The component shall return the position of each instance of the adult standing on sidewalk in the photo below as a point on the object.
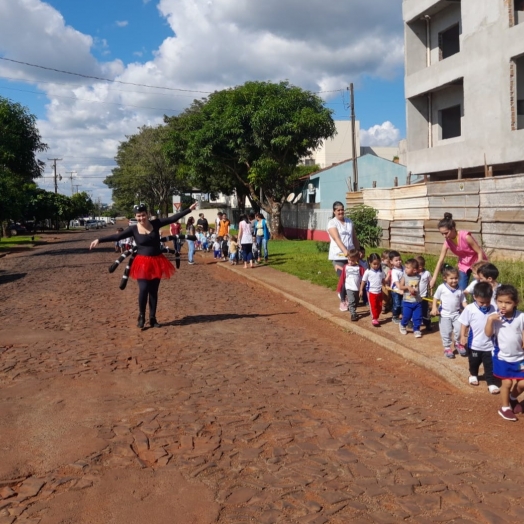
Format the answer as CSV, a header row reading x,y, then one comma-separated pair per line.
x,y
245,237
190,230
150,265
343,239
262,236
462,244
203,223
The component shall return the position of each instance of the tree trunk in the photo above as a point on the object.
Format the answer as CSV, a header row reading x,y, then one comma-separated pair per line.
x,y
277,228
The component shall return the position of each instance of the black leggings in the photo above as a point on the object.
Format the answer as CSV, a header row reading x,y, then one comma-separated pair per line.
x,y
148,289
476,358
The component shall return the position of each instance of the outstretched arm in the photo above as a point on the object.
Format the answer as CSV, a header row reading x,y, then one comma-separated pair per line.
x,y
441,258
112,238
176,217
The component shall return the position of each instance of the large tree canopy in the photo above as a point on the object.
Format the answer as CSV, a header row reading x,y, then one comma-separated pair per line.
x,y
145,172
253,136
19,143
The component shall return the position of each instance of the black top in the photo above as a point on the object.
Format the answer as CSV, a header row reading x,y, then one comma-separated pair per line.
x,y
149,243
204,224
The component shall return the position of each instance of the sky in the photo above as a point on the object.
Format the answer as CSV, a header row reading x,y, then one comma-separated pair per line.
x,y
174,51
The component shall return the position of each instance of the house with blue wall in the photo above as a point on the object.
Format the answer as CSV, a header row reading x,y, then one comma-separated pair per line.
x,y
332,183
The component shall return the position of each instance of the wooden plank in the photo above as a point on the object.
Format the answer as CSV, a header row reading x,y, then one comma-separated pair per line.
x,y
412,214
384,214
384,244
467,214
454,187
505,254
377,193
407,248
385,234
509,242
515,215
433,237
415,191
474,227
402,239
503,228
407,223
501,200
432,248
407,231
412,203
454,201
384,224
495,184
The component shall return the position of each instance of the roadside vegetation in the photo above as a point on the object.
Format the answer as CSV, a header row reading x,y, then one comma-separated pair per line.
x,y
307,260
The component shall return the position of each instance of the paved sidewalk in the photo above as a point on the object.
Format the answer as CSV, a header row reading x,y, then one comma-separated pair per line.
x,y
426,351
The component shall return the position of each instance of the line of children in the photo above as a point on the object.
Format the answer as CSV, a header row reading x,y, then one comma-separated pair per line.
x,y
489,331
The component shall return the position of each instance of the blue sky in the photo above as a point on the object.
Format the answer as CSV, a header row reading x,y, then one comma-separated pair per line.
x,y
199,45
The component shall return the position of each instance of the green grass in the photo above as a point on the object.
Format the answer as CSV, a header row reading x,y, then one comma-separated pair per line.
x,y
302,259
19,241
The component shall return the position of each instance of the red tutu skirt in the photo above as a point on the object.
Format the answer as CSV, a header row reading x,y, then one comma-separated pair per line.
x,y
149,268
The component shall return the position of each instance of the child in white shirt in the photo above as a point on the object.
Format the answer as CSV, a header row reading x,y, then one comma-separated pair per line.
x,y
372,281
506,329
489,273
474,272
217,251
397,272
452,301
425,291
480,346
353,279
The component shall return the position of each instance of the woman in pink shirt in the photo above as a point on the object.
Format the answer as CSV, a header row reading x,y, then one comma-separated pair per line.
x,y
463,245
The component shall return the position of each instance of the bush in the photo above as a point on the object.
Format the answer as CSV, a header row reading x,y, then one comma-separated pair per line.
x,y
322,247
365,220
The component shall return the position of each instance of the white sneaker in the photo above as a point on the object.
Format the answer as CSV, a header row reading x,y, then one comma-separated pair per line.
x,y
473,381
402,329
417,334
494,390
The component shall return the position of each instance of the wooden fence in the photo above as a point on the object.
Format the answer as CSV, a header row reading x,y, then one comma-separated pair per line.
x,y
492,209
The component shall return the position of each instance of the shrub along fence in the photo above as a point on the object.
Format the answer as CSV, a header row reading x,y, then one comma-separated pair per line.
x,y
491,208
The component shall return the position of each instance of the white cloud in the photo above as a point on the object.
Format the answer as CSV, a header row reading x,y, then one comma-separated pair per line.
x,y
315,44
383,135
122,23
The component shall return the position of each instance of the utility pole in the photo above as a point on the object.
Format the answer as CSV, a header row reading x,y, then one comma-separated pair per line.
x,y
55,160
71,178
353,138
77,186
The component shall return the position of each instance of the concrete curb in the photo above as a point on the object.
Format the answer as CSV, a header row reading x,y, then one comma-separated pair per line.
x,y
404,351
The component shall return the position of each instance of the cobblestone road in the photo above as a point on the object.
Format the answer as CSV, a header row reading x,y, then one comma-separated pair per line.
x,y
242,408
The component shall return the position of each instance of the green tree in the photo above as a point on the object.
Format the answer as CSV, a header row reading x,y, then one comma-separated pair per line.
x,y
365,219
144,172
251,138
20,141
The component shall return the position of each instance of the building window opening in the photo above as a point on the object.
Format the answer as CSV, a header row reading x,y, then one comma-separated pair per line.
x,y
519,11
450,122
519,91
449,42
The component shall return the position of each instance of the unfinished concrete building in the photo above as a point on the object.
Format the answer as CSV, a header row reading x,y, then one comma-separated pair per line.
x,y
464,87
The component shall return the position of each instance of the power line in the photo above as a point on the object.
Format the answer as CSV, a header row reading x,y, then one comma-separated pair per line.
x,y
127,83
103,79
110,90
87,100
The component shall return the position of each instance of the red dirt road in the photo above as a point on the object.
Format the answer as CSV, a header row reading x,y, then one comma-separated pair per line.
x,y
242,408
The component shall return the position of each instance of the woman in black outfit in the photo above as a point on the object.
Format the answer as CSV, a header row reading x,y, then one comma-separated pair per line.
x,y
150,265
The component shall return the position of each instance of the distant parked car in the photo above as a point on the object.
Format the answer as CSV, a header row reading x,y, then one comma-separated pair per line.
x,y
92,224
133,221
102,223
17,229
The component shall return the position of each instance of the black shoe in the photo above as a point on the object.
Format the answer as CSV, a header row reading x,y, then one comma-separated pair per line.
x,y
141,321
153,322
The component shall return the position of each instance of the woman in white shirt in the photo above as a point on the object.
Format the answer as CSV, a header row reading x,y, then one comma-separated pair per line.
x,y
343,239
245,237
